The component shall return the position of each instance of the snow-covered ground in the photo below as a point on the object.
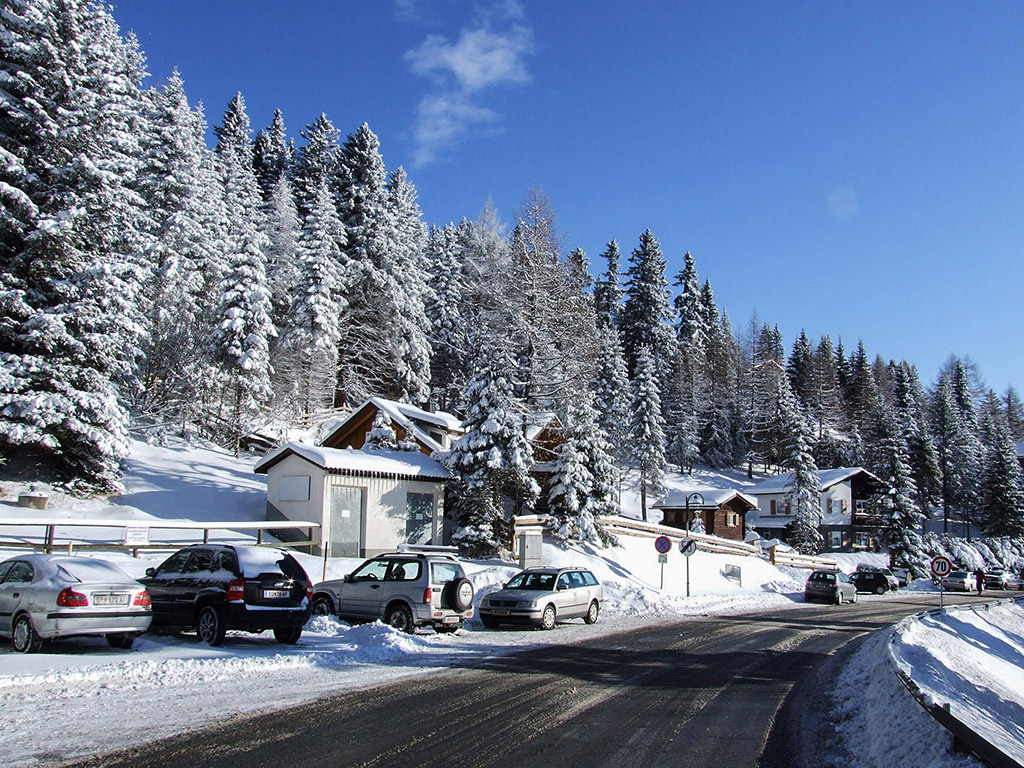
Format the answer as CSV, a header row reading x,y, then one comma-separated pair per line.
x,y
165,685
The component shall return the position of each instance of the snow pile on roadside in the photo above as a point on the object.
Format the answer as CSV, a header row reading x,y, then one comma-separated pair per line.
x,y
973,659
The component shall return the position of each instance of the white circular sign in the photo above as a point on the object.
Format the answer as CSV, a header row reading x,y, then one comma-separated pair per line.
x,y
688,546
941,566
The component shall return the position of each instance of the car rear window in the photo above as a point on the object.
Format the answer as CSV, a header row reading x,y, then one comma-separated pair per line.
x,y
87,569
829,578
442,573
253,561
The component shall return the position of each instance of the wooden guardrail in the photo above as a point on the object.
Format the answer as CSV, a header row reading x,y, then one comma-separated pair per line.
x,y
796,560
965,738
50,525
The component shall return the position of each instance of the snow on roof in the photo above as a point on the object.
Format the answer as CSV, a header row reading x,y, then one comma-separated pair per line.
x,y
828,478
351,461
402,411
713,498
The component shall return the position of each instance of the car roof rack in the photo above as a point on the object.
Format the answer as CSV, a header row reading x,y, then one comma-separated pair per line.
x,y
427,549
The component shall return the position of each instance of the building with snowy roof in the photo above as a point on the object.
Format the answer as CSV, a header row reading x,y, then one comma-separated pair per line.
x,y
366,502
723,511
847,524
431,430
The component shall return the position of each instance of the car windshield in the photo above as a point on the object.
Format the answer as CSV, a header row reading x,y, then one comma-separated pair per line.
x,y
545,581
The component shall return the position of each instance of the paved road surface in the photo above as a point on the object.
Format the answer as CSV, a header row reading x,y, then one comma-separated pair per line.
x,y
703,692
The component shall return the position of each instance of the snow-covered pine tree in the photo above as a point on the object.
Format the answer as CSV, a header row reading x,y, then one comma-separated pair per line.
x,y
896,504
608,291
647,428
492,461
381,436
612,395
317,161
283,230
272,155
646,314
1014,409
768,380
1001,491
308,347
909,411
450,334
803,494
800,369
241,338
71,235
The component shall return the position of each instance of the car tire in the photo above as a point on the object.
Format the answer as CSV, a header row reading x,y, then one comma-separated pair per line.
x,y
879,590
854,598
323,605
398,616
288,635
592,612
548,618
120,640
210,626
24,637
458,594
839,597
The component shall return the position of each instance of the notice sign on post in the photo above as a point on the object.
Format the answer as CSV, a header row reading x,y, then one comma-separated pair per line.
x,y
663,544
136,536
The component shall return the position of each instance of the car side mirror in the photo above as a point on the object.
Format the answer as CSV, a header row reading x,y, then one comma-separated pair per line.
x,y
348,578
151,572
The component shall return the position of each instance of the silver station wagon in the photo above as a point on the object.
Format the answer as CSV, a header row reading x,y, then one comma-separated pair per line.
x,y
44,597
544,596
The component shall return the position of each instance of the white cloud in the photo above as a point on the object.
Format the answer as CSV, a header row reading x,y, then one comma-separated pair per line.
x,y
463,71
842,203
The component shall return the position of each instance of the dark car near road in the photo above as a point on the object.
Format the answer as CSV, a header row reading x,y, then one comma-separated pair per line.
x,y
870,581
213,588
831,587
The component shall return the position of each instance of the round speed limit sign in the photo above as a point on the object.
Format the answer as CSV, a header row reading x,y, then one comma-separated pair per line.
x,y
941,566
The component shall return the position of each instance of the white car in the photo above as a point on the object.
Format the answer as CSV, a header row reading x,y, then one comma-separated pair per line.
x,y
44,597
959,581
543,596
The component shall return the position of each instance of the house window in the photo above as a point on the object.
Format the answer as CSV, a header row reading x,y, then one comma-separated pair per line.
x,y
294,488
774,511
835,539
861,540
732,518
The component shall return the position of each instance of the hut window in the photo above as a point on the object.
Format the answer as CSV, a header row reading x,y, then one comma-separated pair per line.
x,y
294,488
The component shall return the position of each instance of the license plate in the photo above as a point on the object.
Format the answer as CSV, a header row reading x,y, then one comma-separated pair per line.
x,y
500,611
451,619
274,594
104,599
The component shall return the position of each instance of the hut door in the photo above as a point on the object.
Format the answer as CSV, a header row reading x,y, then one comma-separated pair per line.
x,y
419,511
346,521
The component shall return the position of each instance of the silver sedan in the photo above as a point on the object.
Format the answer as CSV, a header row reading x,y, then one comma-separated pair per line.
x,y
43,597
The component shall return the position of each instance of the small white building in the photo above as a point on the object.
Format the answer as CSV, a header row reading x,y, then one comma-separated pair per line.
x,y
365,502
845,524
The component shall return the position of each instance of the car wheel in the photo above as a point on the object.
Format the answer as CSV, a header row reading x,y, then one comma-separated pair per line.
x,y
399,617
547,619
24,637
288,635
120,640
839,597
879,590
210,626
592,613
854,598
323,606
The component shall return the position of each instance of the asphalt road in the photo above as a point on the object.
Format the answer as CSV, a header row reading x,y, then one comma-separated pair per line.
x,y
712,691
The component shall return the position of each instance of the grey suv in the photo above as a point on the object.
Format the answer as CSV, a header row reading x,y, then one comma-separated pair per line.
x,y
404,589
542,596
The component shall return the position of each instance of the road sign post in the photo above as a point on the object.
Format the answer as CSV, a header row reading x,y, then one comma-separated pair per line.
x,y
663,544
941,567
687,546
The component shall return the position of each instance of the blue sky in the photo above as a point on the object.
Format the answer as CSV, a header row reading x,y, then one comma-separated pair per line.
x,y
855,169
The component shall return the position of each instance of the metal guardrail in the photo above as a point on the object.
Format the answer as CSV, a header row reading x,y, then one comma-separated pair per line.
x,y
965,738
50,524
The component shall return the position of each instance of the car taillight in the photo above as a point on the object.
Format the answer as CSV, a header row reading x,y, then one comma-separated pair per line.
x,y
236,591
68,598
143,599
309,591
428,595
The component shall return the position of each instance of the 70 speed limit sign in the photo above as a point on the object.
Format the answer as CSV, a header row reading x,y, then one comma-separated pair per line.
x,y
941,566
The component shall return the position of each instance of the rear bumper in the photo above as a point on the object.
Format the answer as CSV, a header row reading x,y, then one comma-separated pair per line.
x,y
249,620
68,624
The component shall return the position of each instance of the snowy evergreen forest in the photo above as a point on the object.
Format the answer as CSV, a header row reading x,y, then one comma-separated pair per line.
x,y
148,278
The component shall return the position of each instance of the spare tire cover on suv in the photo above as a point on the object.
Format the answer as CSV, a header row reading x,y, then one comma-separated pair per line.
x,y
458,594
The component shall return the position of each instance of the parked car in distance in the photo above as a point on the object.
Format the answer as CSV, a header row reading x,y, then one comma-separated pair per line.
x,y
902,576
870,581
959,581
45,597
213,588
830,587
405,590
544,596
889,576
1002,580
